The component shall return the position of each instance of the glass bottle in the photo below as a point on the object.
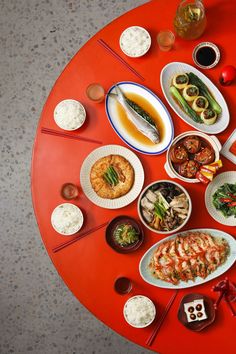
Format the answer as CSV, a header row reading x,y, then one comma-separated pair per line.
x,y
190,19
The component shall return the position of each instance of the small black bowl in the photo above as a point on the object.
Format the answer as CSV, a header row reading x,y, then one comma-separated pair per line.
x,y
110,234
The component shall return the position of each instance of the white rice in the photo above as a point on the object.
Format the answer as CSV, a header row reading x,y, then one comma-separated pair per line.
x,y
67,219
69,114
139,311
135,41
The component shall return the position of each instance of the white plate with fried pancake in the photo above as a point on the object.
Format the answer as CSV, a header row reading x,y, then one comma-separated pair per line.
x,y
130,176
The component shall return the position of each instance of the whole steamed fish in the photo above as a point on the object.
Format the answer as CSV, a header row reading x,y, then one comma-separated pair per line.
x,y
141,119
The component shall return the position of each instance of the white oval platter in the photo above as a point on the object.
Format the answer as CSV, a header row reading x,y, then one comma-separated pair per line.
x,y
147,276
157,104
166,77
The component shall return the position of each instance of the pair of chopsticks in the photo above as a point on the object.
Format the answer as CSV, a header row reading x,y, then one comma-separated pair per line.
x,y
68,135
119,58
161,320
77,238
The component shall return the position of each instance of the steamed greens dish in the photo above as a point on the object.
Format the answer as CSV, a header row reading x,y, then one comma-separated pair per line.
x,y
224,199
194,97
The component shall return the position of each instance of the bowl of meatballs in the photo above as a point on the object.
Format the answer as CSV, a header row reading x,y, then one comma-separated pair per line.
x,y
188,152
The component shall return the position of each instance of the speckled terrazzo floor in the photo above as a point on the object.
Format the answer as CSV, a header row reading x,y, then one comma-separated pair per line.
x,y
38,313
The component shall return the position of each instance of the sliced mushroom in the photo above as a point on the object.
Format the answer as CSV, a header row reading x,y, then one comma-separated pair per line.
x,y
181,210
182,216
151,196
145,203
147,215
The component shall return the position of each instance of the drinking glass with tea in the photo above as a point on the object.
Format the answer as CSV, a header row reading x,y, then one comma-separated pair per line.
x,y
95,92
190,19
165,40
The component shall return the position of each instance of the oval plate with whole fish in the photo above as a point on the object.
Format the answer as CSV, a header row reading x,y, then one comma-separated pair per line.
x,y
188,258
139,118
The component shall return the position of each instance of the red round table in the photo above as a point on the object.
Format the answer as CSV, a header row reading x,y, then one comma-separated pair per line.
x,y
89,266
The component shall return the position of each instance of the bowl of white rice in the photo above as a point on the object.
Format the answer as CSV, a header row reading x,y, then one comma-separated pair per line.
x,y
67,219
69,114
139,311
135,41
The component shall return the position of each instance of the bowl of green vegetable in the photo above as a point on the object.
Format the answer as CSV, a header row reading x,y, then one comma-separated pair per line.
x,y
220,198
124,234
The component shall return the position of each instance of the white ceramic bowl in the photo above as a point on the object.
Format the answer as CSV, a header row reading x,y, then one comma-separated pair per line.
x,y
73,223
211,139
69,114
134,299
135,41
189,209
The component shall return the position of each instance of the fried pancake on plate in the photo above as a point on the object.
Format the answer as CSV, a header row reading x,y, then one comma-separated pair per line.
x,y
125,173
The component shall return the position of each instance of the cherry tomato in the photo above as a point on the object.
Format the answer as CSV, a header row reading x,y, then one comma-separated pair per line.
x,y
228,74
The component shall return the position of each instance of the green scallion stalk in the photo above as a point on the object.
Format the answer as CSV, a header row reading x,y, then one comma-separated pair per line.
x,y
187,109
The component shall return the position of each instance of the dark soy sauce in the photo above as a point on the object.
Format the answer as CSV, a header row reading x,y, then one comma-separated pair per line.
x,y
206,56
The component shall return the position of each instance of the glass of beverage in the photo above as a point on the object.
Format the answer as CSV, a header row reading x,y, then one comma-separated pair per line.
x,y
95,92
123,285
190,19
69,191
165,40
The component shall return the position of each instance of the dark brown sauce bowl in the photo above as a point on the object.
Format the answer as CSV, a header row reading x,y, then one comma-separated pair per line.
x,y
197,325
110,234
209,46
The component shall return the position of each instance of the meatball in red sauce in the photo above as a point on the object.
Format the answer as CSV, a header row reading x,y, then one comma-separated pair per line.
x,y
192,144
178,154
189,169
205,156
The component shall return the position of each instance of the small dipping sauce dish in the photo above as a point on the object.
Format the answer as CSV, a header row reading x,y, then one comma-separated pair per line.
x,y
206,55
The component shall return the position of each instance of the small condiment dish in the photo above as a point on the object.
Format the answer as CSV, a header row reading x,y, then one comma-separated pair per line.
x,y
211,56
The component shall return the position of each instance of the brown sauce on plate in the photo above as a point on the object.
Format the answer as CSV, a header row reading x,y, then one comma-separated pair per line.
x,y
130,127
